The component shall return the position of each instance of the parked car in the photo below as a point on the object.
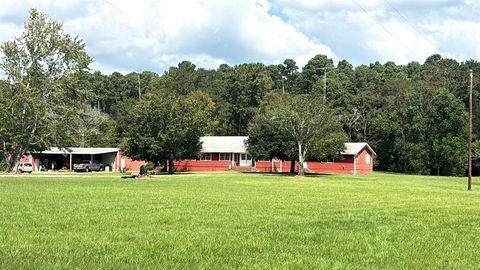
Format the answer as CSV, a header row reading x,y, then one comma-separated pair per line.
x,y
25,167
88,166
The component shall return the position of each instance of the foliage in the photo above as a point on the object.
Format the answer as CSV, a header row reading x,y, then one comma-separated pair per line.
x,y
311,127
362,96
89,122
44,68
423,132
266,141
160,128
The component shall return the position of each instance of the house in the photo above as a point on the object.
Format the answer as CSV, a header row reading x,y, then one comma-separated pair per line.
x,y
222,153
219,153
56,158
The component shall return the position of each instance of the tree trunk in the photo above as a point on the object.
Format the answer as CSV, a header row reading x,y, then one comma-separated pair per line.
x,y
301,170
171,168
292,166
13,160
15,166
164,166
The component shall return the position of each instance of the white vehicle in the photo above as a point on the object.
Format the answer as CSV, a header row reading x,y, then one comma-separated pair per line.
x,y
25,167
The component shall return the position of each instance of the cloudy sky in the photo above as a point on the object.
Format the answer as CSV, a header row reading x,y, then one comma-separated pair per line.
x,y
124,35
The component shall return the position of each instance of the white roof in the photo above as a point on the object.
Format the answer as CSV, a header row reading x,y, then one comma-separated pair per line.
x,y
223,144
210,144
80,150
355,148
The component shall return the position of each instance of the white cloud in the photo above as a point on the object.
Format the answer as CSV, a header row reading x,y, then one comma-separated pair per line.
x,y
134,35
150,34
395,30
459,38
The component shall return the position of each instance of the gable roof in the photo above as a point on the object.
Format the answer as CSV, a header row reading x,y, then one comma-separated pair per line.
x,y
356,147
223,144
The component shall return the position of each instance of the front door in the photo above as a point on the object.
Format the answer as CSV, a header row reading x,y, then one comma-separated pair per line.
x,y
245,160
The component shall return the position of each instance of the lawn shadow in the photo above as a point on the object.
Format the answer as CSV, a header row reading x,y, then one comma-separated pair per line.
x,y
307,175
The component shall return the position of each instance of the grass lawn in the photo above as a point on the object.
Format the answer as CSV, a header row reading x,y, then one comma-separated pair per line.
x,y
246,221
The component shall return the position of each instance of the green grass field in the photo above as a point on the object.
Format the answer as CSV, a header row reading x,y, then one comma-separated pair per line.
x,y
241,221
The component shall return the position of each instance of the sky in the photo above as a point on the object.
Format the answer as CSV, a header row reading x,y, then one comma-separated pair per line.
x,y
132,36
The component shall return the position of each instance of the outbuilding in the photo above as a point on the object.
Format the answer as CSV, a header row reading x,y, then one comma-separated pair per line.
x,y
56,158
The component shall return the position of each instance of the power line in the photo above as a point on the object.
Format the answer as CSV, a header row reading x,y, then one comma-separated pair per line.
x,y
413,26
386,29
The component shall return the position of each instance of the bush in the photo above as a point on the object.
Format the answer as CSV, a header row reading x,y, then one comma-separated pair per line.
x,y
3,165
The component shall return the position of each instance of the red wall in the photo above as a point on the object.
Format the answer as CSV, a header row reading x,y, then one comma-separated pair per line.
x,y
362,166
130,164
344,166
266,166
202,165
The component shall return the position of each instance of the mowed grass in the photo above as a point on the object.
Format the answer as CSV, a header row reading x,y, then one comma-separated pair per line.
x,y
238,221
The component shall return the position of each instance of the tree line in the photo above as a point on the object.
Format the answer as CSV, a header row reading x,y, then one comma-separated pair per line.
x,y
414,115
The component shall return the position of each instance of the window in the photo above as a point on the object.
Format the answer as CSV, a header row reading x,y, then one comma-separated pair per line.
x,y
367,159
224,156
206,156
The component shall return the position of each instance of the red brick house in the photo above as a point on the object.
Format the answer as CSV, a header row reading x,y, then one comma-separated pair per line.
x,y
222,153
219,153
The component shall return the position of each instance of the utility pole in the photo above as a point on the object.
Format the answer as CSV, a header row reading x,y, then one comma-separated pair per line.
x,y
283,86
470,132
324,85
139,92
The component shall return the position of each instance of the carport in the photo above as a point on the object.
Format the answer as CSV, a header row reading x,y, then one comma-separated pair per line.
x,y
61,158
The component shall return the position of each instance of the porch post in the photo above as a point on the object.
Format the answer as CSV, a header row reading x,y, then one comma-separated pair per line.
x,y
355,164
70,162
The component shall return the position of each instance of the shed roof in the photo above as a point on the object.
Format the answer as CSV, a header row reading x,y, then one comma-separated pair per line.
x,y
224,144
80,150
356,147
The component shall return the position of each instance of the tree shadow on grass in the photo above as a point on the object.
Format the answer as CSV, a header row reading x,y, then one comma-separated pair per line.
x,y
307,175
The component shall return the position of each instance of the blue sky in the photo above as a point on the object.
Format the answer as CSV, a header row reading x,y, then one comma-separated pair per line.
x,y
153,35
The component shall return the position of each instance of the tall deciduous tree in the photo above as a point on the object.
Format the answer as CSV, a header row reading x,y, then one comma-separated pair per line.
x,y
267,141
89,123
423,131
43,67
162,128
311,125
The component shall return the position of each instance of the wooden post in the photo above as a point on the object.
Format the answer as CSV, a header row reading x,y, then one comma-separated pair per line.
x,y
355,164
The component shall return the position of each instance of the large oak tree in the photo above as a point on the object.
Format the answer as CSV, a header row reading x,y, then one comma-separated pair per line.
x,y
43,89
161,128
303,122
